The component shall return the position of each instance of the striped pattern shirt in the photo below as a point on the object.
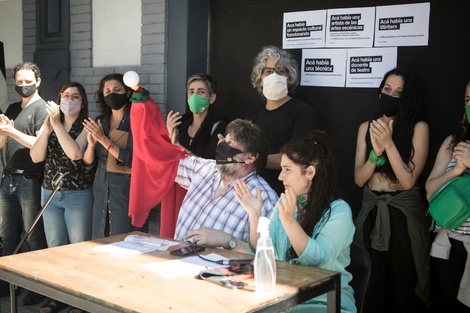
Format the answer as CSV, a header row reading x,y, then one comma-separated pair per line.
x,y
200,207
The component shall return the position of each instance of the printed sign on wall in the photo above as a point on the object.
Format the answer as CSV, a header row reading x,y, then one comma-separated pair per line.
x,y
366,67
323,67
304,29
402,25
350,27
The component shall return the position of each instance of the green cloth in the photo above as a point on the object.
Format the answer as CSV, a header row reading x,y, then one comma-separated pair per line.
x,y
139,97
410,204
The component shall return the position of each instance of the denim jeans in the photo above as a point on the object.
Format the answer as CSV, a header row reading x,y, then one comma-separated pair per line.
x,y
67,219
20,202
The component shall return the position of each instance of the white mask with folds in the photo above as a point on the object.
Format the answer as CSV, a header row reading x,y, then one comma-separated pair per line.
x,y
275,86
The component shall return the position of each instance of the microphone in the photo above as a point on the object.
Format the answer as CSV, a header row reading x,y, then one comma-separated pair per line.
x,y
58,179
231,262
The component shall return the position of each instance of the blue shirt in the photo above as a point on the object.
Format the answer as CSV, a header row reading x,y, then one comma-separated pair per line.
x,y
328,248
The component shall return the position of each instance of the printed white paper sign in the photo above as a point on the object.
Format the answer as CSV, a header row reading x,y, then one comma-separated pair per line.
x,y
323,67
402,25
366,67
350,28
304,29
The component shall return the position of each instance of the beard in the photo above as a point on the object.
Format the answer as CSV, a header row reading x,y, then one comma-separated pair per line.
x,y
226,169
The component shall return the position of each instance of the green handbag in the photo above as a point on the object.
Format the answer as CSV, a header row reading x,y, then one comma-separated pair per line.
x,y
449,205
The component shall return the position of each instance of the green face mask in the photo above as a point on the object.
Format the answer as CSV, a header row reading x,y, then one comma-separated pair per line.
x,y
197,104
467,113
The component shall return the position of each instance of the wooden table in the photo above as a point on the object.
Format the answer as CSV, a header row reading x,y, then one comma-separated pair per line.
x,y
99,282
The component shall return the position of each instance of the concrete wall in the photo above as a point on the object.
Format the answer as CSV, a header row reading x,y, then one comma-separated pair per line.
x,y
152,67
11,30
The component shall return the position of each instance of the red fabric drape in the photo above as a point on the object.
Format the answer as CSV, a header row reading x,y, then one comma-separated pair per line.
x,y
170,208
154,162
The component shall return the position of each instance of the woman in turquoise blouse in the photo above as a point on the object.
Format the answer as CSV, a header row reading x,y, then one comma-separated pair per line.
x,y
310,224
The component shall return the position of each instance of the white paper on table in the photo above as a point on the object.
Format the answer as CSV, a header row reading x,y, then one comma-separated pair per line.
x,y
183,267
135,245
159,243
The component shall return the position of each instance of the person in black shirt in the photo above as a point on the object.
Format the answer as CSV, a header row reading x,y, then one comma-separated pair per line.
x,y
276,76
20,193
197,130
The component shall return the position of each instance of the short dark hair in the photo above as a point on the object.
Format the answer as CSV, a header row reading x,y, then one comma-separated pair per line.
x,y
100,103
27,65
84,110
211,84
252,138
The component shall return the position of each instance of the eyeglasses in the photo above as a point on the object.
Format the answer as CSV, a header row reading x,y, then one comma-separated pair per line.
x,y
281,70
73,96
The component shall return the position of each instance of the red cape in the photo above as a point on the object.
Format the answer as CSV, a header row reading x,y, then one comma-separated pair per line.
x,y
154,161
170,208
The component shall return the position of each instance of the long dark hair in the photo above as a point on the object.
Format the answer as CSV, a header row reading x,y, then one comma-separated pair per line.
x,y
315,150
461,132
405,119
100,103
84,109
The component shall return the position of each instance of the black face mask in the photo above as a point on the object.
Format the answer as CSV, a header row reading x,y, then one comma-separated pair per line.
x,y
116,101
224,154
26,91
389,104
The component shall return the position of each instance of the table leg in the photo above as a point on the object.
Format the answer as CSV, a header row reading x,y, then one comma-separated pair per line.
x,y
334,297
13,308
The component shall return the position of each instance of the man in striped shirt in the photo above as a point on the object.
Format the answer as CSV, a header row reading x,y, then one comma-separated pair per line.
x,y
210,214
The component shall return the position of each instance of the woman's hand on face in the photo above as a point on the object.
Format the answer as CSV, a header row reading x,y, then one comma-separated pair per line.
x,y
94,129
382,133
173,119
54,113
462,154
287,205
250,203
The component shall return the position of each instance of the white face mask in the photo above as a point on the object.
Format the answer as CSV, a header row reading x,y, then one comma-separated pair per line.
x,y
70,107
275,86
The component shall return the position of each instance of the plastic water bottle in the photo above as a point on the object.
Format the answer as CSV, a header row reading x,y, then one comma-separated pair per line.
x,y
265,263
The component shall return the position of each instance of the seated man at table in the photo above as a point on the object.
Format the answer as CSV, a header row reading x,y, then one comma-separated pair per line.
x,y
210,214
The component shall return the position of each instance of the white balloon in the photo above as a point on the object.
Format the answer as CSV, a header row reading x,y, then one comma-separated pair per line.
x,y
131,79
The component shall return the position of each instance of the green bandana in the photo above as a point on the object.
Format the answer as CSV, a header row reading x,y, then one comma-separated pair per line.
x,y
302,200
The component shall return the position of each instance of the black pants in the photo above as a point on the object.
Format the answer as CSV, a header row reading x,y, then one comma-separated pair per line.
x,y
393,276
445,278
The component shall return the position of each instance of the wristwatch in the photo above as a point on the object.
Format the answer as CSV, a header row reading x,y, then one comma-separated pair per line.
x,y
232,243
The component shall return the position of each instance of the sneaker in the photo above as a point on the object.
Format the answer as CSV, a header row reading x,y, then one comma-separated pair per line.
x,y
32,298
